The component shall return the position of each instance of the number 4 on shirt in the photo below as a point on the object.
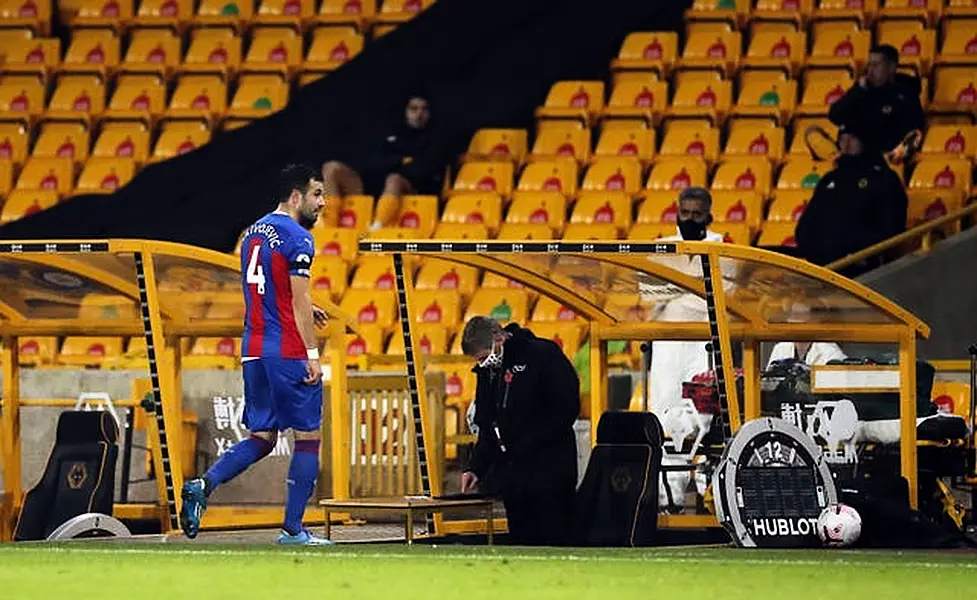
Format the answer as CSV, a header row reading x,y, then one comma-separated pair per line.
x,y
255,274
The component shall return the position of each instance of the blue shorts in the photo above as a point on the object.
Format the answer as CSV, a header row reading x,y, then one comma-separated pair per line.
x,y
275,397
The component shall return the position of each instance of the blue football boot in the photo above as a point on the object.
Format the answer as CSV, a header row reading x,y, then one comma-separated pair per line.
x,y
304,538
194,505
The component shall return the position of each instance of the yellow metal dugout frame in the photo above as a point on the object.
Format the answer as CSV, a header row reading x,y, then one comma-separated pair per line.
x,y
756,294
48,290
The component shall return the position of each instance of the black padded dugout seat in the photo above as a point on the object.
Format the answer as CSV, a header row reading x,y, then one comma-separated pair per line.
x,y
79,477
617,501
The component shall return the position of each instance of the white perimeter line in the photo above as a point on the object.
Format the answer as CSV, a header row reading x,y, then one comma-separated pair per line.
x,y
843,560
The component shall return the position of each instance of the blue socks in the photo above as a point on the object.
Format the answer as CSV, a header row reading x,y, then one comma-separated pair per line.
x,y
234,462
302,473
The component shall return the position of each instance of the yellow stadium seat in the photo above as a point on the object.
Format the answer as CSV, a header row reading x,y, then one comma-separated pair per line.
x,y
738,207
732,12
702,99
399,233
603,208
497,145
794,12
371,307
419,213
180,138
21,97
358,13
355,212
951,140
328,279
765,77
613,175
213,353
591,231
28,14
916,46
485,177
951,173
107,14
21,203
310,77
13,142
647,51
137,97
88,351
461,231
370,340
861,12
802,173
258,96
335,241
201,97
538,208
580,100
374,272
691,138
475,208
821,90
399,11
956,91
436,307
767,99
755,138
926,11
92,51
558,140
77,98
215,51
676,173
734,233
929,204
649,232
290,13
275,50
460,381
6,178
959,45
432,338
952,397
48,174
712,50
743,174
548,310
444,275
40,56
789,205
331,47
105,175
166,13
233,13
505,305
379,30
62,140
525,231
798,145
658,207
776,50
777,233
840,49
620,142
568,336
637,100
154,51
123,140
35,351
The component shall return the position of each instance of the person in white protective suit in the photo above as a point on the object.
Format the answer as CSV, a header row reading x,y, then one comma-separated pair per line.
x,y
812,353
675,362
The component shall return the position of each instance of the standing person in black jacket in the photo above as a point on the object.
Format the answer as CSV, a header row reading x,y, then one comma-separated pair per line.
x,y
884,102
857,204
526,401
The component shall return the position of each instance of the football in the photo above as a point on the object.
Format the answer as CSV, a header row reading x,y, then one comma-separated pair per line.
x,y
839,526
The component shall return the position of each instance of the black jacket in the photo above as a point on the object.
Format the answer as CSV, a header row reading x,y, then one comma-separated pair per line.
x,y
409,152
881,116
533,400
859,203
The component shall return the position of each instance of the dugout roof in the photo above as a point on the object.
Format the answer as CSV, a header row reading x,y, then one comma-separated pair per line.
x,y
91,287
623,285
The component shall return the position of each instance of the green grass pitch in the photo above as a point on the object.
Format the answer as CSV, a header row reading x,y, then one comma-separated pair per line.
x,y
85,571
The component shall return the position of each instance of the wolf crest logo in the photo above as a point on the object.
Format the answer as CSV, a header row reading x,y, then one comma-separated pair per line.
x,y
77,476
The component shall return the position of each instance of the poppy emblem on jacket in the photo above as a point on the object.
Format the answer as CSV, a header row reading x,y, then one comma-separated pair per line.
x,y
886,109
862,183
508,376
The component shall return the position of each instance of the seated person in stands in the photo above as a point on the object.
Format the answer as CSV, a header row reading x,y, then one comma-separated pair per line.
x,y
885,102
812,353
393,171
859,203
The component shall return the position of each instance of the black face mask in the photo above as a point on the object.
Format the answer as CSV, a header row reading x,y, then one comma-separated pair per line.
x,y
691,230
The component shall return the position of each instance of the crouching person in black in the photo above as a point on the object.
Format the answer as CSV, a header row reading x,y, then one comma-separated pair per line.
x,y
526,401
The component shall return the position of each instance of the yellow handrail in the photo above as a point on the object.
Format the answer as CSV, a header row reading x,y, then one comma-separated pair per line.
x,y
920,231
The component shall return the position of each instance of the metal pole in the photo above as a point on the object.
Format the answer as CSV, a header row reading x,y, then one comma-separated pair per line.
x,y
126,456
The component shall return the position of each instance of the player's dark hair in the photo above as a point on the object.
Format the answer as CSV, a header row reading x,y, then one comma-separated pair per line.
x,y
479,334
889,53
295,177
